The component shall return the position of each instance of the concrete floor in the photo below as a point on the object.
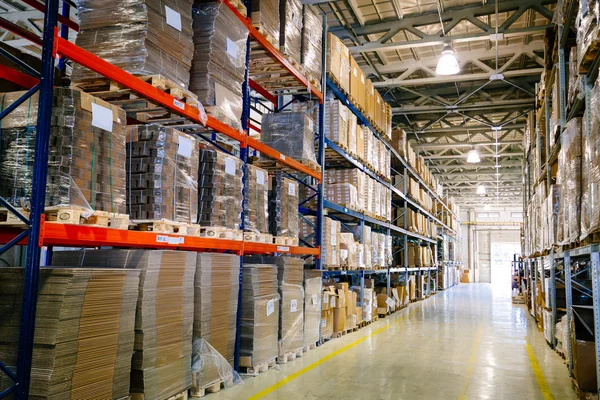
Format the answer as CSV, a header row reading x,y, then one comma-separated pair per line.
x,y
468,342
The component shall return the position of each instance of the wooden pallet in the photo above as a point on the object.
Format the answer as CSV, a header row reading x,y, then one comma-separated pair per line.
x,y
166,226
309,347
178,396
582,395
289,356
239,6
74,215
336,267
589,55
286,241
274,166
258,237
219,232
259,368
337,83
212,387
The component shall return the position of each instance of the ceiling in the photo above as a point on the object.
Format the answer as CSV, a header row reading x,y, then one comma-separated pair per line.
x,y
484,107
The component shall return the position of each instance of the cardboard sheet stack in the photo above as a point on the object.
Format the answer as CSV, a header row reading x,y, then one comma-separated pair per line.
x,y
164,316
219,61
86,155
337,123
290,28
312,309
219,189
162,169
142,37
283,206
569,181
83,333
259,315
265,16
312,42
216,289
256,200
291,133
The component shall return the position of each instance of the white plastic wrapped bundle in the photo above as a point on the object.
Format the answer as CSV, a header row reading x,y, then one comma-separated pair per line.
x,y
569,166
208,362
256,200
587,26
265,15
290,28
312,42
291,133
219,61
291,318
312,310
590,203
336,123
283,203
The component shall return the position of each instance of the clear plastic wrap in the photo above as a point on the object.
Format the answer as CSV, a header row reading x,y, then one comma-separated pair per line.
x,y
291,318
290,133
330,255
216,289
256,201
164,314
575,89
349,247
590,202
283,207
587,27
142,37
338,62
70,332
86,163
569,167
208,363
259,314
336,123
312,42
219,189
312,310
162,173
265,16
219,61
352,176
343,194
290,28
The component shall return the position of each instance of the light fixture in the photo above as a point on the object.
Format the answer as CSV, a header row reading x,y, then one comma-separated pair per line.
x,y
473,157
480,189
447,65
487,207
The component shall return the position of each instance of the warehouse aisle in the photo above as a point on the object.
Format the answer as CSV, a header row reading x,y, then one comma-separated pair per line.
x,y
464,343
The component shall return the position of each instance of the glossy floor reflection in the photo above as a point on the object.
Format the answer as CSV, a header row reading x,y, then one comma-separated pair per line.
x,y
468,342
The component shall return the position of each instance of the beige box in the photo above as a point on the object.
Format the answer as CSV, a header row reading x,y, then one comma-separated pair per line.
x,y
355,84
338,61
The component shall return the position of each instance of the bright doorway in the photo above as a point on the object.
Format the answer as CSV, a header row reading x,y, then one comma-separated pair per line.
x,y
501,258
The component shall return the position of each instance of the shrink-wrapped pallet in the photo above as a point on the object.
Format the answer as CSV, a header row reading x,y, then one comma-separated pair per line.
x,y
283,207
338,62
330,255
86,153
587,30
219,61
569,171
216,289
219,189
290,28
162,174
142,37
84,331
343,194
256,200
352,176
575,87
265,17
312,310
337,124
290,133
259,319
164,316
312,43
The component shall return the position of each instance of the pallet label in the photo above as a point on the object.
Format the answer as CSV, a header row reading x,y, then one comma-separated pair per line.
x,y
179,104
282,157
185,147
390,302
102,117
229,166
232,49
173,18
293,305
270,307
283,248
315,298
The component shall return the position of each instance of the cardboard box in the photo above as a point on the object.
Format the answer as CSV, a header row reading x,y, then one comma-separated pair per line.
x,y
412,287
359,315
326,324
339,319
355,85
582,341
338,61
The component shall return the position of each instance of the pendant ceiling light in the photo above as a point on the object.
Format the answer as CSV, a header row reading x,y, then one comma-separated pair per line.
x,y
480,189
473,157
448,64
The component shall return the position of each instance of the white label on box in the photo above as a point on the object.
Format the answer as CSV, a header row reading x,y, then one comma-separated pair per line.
x,y
346,51
291,189
325,298
315,298
283,248
173,18
293,305
362,79
102,117
232,49
282,156
355,72
390,302
229,166
270,307
179,104
332,302
185,147
323,323
260,177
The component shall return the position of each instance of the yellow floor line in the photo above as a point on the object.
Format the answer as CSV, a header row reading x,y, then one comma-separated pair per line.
x,y
537,371
328,357
471,364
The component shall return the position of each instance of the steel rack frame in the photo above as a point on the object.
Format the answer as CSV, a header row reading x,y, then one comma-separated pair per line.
x,y
38,233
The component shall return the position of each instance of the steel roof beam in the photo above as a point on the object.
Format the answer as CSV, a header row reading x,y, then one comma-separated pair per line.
x,y
478,106
464,156
470,128
441,146
478,165
456,78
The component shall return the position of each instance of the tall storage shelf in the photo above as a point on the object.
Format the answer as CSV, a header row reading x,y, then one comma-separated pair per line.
x,y
39,233
562,269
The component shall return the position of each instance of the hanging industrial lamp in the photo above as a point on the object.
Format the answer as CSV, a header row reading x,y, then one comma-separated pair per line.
x,y
448,64
480,189
473,157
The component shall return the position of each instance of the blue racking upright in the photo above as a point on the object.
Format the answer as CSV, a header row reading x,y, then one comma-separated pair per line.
x,y
38,233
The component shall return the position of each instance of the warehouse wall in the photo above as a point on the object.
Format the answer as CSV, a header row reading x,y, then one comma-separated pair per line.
x,y
483,228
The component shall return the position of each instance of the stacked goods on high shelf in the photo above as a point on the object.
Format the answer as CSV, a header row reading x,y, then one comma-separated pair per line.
x,y
312,44
216,289
142,37
265,17
219,61
588,31
590,185
162,173
349,77
330,247
415,222
418,256
403,147
381,254
219,193
449,218
290,29
575,86
84,332
555,111
256,202
365,250
566,204
291,133
535,219
259,318
283,207
164,317
86,155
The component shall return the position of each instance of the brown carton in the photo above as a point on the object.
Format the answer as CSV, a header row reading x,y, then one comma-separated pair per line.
x,y
339,319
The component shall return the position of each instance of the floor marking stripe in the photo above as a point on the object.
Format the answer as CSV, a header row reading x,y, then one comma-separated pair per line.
x,y
328,357
471,364
537,371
